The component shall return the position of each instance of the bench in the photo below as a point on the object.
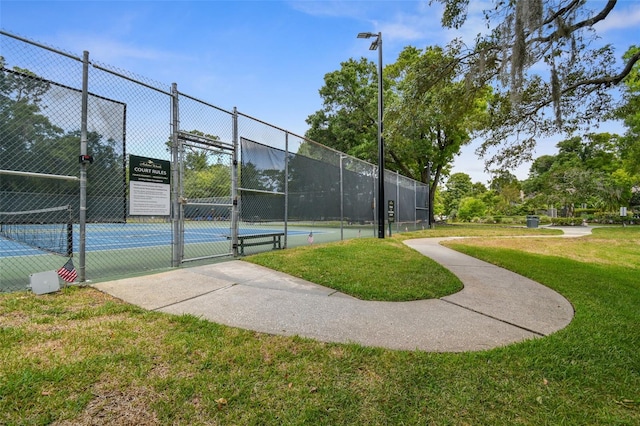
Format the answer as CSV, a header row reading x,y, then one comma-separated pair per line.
x,y
274,238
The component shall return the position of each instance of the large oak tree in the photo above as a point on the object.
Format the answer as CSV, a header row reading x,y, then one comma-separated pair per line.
x,y
551,73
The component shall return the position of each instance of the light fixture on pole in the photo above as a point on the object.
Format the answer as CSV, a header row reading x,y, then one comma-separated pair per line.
x,y
377,45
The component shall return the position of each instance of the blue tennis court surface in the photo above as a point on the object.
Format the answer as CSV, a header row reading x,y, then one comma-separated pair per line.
x,y
101,237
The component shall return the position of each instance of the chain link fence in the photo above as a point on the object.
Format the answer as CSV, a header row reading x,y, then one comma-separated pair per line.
x,y
125,175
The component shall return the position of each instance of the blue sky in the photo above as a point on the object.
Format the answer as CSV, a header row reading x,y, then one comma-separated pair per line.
x,y
267,58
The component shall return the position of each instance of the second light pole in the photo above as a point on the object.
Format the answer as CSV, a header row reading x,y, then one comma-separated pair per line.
x,y
377,45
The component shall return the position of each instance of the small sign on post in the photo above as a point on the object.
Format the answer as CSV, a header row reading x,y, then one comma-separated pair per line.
x,y
391,211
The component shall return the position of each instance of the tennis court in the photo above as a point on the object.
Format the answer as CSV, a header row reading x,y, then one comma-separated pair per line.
x,y
103,237
122,250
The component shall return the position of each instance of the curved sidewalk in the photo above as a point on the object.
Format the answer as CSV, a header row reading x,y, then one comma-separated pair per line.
x,y
496,307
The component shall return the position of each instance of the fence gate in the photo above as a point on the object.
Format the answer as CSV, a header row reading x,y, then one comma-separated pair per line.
x,y
206,201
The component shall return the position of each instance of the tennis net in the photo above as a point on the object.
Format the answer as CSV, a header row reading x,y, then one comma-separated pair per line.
x,y
48,229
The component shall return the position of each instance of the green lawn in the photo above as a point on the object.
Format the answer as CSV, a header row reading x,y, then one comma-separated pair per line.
x,y
366,268
371,269
81,357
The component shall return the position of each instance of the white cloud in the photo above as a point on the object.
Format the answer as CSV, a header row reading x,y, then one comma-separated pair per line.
x,y
621,19
424,24
402,31
403,28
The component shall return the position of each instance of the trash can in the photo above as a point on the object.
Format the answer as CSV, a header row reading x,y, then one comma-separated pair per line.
x,y
532,221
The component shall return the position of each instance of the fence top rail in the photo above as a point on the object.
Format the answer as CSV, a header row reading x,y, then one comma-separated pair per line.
x,y
64,86
80,59
193,98
41,45
131,79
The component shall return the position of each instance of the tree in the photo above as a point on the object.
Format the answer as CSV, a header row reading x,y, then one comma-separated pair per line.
x,y
348,119
206,171
471,207
574,82
630,142
438,204
432,114
587,170
629,112
458,186
429,113
502,179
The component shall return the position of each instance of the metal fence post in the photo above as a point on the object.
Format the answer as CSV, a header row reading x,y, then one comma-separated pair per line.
x,y
415,205
429,206
341,200
374,205
286,186
176,235
82,266
234,184
398,207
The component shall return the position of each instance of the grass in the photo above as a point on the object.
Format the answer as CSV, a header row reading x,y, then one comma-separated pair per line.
x,y
366,268
474,230
372,269
81,357
606,246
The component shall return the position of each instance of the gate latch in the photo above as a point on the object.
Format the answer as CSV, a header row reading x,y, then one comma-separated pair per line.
x,y
84,159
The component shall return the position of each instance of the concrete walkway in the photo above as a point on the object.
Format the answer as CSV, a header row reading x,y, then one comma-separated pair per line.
x,y
496,307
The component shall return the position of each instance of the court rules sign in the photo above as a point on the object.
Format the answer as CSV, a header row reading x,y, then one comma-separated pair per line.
x,y
149,186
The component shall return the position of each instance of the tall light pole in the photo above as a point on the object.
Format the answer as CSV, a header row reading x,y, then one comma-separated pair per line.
x,y
377,45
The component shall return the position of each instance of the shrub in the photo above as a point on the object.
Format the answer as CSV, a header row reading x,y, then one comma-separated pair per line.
x,y
611,218
544,219
584,212
566,221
